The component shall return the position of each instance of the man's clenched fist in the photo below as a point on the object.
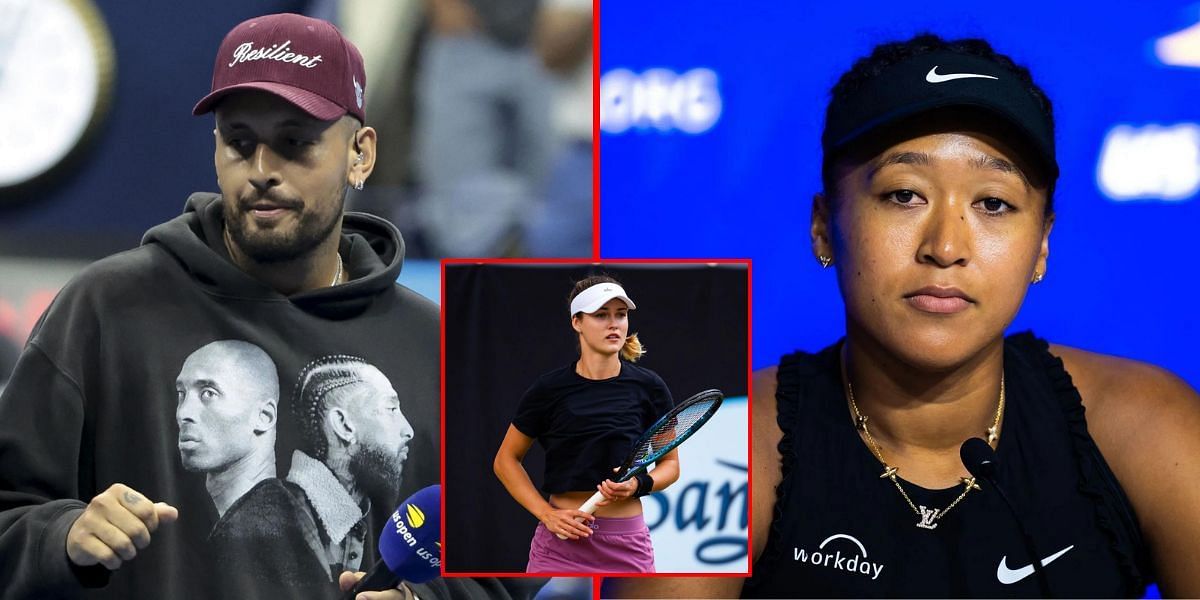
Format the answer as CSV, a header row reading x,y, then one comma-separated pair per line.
x,y
114,526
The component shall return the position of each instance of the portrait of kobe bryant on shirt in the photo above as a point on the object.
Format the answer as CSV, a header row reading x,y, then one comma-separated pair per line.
x,y
246,405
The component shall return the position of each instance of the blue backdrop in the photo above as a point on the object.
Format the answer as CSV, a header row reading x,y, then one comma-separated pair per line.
x,y
711,115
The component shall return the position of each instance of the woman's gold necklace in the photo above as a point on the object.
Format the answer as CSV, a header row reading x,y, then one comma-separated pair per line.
x,y
929,516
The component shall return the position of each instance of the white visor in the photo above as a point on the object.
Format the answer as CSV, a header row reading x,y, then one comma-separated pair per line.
x,y
591,299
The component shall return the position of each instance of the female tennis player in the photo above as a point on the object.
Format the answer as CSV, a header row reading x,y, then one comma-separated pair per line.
x,y
939,173
587,416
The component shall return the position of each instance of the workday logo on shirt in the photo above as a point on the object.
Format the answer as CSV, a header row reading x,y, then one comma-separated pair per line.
x,y
853,560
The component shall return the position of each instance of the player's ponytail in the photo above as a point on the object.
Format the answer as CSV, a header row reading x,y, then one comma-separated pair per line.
x,y
633,348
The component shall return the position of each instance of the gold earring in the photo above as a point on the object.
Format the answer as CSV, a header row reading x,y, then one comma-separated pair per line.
x,y
1037,277
825,261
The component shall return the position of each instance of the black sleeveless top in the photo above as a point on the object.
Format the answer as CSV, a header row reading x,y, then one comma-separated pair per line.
x,y
840,530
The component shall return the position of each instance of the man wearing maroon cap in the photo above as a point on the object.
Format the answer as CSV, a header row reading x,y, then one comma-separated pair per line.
x,y
94,499
288,91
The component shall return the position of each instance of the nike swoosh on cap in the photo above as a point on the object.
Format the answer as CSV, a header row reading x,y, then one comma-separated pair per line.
x,y
1007,575
934,77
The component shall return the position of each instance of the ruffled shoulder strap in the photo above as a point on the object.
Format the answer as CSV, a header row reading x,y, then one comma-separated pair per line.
x,y
795,373
1114,513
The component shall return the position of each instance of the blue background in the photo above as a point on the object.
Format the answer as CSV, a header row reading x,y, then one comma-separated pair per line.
x,y
1122,275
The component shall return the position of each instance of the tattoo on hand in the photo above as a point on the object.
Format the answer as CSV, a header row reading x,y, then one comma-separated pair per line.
x,y
132,498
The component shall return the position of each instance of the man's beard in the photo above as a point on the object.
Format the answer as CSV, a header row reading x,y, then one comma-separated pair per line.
x,y
272,245
378,474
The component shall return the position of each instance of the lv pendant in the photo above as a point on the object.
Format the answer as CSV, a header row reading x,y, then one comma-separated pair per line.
x,y
929,518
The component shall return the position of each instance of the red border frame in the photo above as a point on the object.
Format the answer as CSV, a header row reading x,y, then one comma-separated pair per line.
x,y
596,130
596,579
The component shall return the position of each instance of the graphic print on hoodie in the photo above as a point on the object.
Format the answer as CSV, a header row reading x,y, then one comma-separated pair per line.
x,y
168,369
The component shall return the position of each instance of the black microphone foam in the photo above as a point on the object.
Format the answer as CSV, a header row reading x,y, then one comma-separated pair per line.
x,y
978,457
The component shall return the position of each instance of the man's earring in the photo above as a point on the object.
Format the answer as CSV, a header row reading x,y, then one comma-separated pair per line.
x,y
358,185
825,261
1038,276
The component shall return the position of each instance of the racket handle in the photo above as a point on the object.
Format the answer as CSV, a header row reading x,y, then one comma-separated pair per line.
x,y
588,507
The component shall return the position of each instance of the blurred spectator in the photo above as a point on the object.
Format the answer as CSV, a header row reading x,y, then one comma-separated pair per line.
x,y
483,134
389,35
562,225
506,167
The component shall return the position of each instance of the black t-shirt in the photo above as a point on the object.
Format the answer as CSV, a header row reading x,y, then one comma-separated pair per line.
x,y
588,426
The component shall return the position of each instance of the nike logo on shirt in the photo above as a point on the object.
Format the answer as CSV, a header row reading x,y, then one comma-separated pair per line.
x,y
1007,575
934,77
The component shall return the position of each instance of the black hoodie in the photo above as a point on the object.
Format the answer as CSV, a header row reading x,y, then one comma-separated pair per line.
x,y
93,401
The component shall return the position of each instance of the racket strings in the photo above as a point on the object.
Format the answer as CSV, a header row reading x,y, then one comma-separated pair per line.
x,y
680,425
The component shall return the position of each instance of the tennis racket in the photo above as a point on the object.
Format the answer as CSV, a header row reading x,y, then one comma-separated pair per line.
x,y
664,436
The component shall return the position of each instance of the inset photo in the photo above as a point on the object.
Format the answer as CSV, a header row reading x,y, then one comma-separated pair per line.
x,y
596,417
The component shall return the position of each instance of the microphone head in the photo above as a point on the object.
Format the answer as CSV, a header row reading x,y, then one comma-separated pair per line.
x,y
978,457
411,541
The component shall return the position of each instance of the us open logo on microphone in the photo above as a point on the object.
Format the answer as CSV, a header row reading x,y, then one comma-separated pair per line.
x,y
416,519
856,562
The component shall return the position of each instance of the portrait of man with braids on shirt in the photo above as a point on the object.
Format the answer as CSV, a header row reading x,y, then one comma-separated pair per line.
x,y
353,444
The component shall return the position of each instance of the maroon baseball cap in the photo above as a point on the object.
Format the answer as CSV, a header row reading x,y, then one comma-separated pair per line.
x,y
303,60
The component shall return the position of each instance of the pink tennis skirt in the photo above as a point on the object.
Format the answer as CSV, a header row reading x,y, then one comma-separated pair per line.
x,y
615,546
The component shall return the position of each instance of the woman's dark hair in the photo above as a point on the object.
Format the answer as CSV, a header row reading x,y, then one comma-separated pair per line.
x,y
633,349
887,54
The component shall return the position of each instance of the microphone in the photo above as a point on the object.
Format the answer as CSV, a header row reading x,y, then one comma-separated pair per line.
x,y
410,545
980,460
